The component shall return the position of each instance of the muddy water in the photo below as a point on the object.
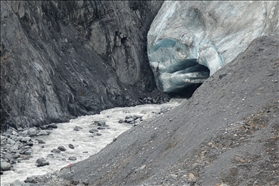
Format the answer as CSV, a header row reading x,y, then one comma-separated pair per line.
x,y
84,142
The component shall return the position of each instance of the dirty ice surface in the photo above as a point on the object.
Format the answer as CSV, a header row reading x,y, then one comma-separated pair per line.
x,y
84,144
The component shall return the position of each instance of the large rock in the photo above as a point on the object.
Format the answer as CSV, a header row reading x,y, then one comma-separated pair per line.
x,y
32,132
226,133
188,39
61,148
64,59
41,162
5,166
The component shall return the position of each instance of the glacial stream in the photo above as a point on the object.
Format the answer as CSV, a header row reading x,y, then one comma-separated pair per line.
x,y
85,143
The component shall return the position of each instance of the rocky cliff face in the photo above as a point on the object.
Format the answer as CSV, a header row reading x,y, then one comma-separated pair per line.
x,y
63,59
187,40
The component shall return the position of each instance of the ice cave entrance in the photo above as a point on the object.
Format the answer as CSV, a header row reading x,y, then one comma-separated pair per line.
x,y
176,68
194,76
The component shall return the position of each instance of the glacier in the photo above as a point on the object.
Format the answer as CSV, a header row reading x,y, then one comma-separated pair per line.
x,y
189,41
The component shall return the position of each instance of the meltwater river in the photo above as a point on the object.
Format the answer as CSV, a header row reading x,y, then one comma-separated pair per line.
x,y
84,144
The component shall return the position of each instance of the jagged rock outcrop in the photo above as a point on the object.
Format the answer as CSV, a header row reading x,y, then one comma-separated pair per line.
x,y
62,59
226,133
186,37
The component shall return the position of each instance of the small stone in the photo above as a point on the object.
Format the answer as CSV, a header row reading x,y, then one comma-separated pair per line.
x,y
55,151
77,128
50,156
41,162
128,117
5,166
32,132
40,141
53,126
192,177
93,130
62,148
73,158
30,143
71,146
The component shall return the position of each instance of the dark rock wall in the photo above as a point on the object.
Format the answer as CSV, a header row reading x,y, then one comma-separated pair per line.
x,y
64,59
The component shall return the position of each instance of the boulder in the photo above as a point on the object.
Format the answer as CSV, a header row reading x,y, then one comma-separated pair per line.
x,y
10,141
32,132
129,119
26,151
41,162
73,158
53,126
8,156
14,148
24,139
16,155
100,123
40,141
136,116
5,166
71,146
34,179
62,148
30,143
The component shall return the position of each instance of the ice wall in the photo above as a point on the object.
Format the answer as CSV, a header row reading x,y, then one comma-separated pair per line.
x,y
187,37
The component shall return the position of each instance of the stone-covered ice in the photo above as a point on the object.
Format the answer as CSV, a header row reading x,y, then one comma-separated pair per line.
x,y
188,41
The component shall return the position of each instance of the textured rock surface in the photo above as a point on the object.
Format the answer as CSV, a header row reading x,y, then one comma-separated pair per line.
x,y
63,59
5,166
41,162
211,32
226,133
